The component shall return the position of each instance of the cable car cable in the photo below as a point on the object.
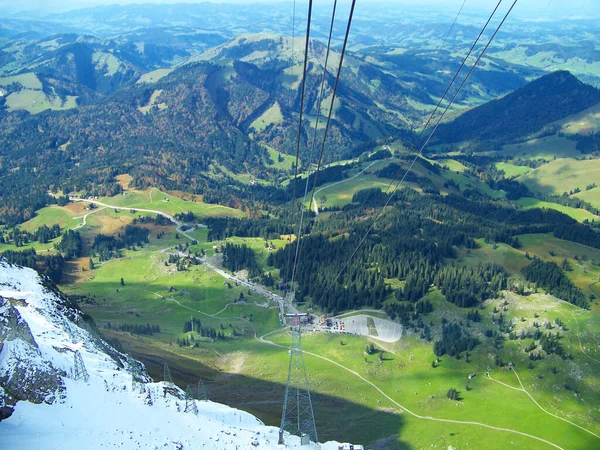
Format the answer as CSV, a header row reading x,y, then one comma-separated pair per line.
x,y
378,215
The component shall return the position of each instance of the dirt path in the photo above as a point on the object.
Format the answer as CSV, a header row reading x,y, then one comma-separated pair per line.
x,y
489,377
579,339
549,413
84,217
153,211
403,408
314,202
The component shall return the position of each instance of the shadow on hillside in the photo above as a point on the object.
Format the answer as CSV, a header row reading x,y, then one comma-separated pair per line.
x,y
337,418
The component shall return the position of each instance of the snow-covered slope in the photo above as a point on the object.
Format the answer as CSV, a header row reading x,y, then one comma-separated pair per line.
x,y
40,331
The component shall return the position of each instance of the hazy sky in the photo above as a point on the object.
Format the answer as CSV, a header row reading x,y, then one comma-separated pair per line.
x,y
550,8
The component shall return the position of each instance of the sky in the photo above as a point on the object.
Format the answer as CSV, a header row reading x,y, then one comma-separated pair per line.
x,y
549,8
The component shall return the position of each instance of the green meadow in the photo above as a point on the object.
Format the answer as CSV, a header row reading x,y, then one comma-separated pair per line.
x,y
511,170
169,204
562,175
403,393
576,213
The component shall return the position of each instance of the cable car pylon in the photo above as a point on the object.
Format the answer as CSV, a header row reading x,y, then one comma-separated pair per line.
x,y
298,417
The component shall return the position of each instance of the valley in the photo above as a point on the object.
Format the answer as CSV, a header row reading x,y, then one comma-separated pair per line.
x,y
154,167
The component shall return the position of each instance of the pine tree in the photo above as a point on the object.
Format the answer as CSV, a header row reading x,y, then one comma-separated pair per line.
x,y
202,391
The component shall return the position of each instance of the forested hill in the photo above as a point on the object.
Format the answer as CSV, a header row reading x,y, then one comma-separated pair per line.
x,y
522,112
203,118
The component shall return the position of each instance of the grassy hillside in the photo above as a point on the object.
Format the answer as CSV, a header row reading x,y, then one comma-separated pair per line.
x,y
576,213
546,148
510,170
26,92
592,196
584,122
562,175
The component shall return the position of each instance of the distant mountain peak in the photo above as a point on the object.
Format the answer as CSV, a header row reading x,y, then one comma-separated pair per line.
x,y
524,111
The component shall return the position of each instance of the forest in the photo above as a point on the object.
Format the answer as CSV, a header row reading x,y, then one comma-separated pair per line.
x,y
412,242
238,257
70,245
51,265
108,246
550,277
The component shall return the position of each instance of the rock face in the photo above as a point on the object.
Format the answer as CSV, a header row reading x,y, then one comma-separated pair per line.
x,y
34,370
24,375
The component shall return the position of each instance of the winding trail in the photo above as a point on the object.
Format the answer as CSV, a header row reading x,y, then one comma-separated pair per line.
x,y
503,384
153,211
84,217
579,339
214,316
403,408
313,201
549,413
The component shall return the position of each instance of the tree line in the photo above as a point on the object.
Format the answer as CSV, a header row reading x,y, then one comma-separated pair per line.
x,y
237,257
141,329
549,276
107,247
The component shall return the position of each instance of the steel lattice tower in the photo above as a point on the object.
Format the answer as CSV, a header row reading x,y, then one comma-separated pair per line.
x,y
167,375
80,373
297,417
190,403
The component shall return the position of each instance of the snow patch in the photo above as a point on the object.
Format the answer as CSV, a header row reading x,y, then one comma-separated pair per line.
x,y
109,410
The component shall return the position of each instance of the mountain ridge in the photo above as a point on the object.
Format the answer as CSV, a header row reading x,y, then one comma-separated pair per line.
x,y
552,97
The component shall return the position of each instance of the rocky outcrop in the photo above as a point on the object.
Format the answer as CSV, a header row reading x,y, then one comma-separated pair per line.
x,y
24,374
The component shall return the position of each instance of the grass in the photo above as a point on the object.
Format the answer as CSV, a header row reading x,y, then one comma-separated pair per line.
x,y
562,175
248,374
27,80
153,102
576,213
287,160
584,273
511,170
154,76
341,194
584,122
146,298
31,98
107,63
270,117
546,148
452,164
256,244
467,181
169,204
592,196
64,216
511,259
